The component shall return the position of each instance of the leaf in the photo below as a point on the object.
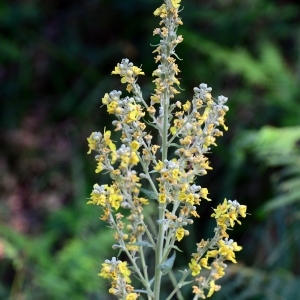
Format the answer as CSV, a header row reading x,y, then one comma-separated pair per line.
x,y
176,248
142,291
279,201
150,194
141,244
167,265
151,281
187,282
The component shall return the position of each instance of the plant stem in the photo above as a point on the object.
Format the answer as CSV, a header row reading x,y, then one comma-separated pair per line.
x,y
162,207
174,282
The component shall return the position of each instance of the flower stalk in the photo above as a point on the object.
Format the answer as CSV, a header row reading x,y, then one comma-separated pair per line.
x,y
192,128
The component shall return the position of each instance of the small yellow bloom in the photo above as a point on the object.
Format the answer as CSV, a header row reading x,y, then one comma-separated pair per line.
x,y
137,71
132,296
155,99
154,148
133,115
125,271
190,198
179,234
92,143
99,167
105,99
187,105
134,159
195,267
117,70
162,198
112,291
108,141
161,10
176,174
204,193
134,145
242,210
173,130
151,110
111,107
203,263
123,79
159,166
176,3
212,289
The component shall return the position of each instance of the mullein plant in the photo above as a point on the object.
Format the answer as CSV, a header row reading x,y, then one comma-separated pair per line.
x,y
191,128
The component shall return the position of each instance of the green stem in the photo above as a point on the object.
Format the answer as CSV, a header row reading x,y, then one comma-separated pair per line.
x,y
174,282
162,207
143,279
144,266
188,272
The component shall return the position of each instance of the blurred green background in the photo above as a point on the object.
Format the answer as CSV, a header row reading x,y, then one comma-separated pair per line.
x,y
55,63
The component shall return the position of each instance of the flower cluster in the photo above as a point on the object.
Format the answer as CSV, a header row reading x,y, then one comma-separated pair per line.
x,y
187,129
220,249
118,272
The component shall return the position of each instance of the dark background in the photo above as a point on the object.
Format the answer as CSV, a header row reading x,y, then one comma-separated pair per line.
x,y
55,63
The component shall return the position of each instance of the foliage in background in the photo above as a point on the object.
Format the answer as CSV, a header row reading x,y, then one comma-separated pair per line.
x,y
53,59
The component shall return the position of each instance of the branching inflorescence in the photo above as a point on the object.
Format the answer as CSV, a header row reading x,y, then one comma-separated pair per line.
x,y
190,128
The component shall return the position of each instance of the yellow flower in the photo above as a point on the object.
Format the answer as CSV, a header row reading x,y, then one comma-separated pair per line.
x,y
159,166
117,70
108,141
106,271
137,71
155,99
176,174
179,234
236,247
132,296
212,289
175,3
134,113
125,271
190,198
162,198
203,194
134,145
99,167
187,105
203,263
134,159
91,143
161,10
242,210
221,210
173,130
114,157
123,79
111,107
195,267
105,99
154,148
112,291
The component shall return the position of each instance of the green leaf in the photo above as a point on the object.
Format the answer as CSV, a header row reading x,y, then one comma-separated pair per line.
x,y
187,282
142,291
148,193
176,248
167,265
141,244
